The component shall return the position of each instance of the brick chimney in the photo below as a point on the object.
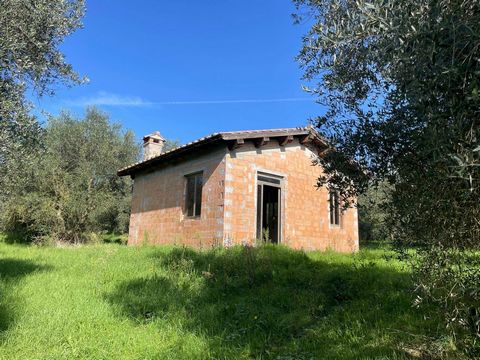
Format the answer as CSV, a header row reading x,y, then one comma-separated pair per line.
x,y
152,145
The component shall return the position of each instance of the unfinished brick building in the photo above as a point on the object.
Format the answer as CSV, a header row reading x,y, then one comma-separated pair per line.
x,y
234,187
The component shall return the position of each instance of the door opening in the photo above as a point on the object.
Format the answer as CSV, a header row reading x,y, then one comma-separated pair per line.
x,y
269,210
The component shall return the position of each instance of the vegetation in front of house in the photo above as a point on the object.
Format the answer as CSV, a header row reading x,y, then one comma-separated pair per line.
x,y
270,302
401,82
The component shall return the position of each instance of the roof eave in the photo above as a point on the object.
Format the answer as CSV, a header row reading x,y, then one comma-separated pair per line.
x,y
165,157
233,140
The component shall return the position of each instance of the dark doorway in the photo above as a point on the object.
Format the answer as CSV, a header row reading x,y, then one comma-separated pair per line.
x,y
268,210
270,213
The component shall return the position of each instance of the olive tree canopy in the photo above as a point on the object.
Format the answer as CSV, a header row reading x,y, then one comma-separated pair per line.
x,y
71,190
401,80
30,34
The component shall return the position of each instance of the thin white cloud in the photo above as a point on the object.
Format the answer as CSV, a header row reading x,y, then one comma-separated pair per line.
x,y
108,99
234,101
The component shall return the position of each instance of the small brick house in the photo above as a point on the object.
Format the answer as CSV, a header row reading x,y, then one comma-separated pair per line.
x,y
233,187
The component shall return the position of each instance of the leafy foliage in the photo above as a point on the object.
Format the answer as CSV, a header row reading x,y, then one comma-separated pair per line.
x,y
72,189
401,79
30,35
373,213
170,145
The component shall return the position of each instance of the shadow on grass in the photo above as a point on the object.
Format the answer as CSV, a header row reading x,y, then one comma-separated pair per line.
x,y
273,302
17,238
11,271
111,238
376,244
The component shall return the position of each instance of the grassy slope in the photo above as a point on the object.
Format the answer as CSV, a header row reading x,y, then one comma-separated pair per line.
x,y
110,301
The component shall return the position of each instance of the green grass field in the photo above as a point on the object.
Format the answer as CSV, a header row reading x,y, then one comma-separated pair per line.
x,y
116,302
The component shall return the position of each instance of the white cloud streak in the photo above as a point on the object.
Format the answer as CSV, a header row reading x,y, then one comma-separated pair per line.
x,y
107,99
234,101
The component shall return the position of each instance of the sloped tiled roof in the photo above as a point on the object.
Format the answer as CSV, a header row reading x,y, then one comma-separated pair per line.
x,y
219,137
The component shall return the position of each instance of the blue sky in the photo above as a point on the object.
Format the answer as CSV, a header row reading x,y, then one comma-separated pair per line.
x,y
188,68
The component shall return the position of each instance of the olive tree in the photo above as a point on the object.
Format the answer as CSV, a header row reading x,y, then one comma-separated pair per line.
x,y
30,34
401,81
71,190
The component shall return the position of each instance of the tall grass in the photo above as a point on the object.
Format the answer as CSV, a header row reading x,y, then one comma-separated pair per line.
x,y
116,302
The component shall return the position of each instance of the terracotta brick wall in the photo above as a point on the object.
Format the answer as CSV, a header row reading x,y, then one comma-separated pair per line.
x,y
158,204
305,217
229,201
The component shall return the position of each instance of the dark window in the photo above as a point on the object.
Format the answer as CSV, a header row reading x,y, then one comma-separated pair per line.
x,y
194,194
334,208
